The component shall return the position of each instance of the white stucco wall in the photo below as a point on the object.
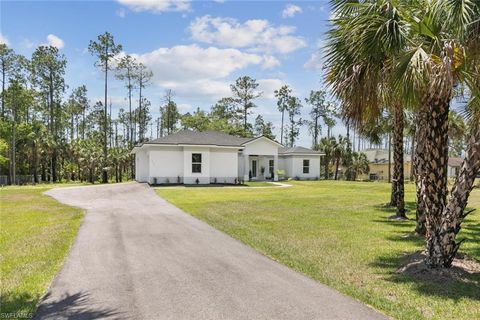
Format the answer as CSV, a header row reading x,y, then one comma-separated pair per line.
x,y
223,165
141,166
166,163
294,166
190,177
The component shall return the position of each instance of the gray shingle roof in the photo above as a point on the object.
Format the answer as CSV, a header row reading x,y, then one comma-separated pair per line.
x,y
300,150
215,138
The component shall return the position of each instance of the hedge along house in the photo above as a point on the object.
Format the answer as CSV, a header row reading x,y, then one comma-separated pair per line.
x,y
192,157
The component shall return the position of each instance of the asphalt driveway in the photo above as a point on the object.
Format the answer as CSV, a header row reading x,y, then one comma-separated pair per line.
x,y
138,257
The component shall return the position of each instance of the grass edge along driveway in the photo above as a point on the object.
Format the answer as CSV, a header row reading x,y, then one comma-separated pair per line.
x,y
36,233
338,233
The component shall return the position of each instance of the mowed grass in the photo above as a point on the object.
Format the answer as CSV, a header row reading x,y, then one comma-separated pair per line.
x,y
338,233
36,232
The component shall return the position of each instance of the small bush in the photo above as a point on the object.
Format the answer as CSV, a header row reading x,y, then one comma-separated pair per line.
x,y
197,181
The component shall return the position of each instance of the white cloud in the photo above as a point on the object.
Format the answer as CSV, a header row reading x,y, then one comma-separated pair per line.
x,y
157,6
291,10
4,39
121,13
315,62
268,86
270,62
54,41
193,70
257,35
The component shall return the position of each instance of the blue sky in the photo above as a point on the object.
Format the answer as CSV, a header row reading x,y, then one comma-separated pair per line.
x,y
196,48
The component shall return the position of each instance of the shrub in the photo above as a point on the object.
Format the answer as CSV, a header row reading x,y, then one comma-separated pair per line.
x,y
197,181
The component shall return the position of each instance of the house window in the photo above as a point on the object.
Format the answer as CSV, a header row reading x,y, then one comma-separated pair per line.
x,y
306,166
196,162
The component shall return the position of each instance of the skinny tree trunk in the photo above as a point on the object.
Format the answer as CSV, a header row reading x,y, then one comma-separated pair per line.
x,y
105,148
34,162
436,159
419,166
398,118
13,160
336,168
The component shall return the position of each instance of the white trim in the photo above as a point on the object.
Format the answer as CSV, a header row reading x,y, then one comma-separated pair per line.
x,y
255,139
300,154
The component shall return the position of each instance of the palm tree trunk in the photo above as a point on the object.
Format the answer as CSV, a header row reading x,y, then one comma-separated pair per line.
x,y
398,173
419,173
442,248
412,151
436,159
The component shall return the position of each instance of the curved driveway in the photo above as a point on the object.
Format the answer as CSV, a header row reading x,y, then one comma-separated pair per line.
x,y
138,257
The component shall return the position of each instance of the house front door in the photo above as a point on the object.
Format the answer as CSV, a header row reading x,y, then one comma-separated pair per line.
x,y
254,168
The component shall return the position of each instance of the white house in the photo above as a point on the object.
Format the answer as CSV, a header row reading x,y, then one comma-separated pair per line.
x,y
192,157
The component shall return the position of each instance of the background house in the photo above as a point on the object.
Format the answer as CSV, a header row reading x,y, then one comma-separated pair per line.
x,y
378,163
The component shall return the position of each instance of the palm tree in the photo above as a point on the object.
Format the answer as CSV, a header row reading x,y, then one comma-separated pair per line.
x,y
412,53
327,145
339,152
358,165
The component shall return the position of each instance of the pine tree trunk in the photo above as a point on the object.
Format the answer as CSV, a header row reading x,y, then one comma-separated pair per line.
x,y
419,173
398,173
34,162
336,168
105,123
436,160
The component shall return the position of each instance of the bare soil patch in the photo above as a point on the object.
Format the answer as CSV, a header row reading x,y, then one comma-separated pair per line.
x,y
464,269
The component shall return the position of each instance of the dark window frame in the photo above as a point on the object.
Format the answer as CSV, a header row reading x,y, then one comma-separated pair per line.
x,y
307,166
271,166
196,163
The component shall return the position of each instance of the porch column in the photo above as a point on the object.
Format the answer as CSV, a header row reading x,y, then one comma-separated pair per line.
x,y
275,167
246,167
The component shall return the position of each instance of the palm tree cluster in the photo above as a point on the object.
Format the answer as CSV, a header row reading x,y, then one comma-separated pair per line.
x,y
339,154
413,55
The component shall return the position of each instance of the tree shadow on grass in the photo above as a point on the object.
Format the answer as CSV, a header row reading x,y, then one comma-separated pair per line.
x,y
459,281
77,306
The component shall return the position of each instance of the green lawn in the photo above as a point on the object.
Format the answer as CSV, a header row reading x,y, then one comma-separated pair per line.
x,y
36,232
339,234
